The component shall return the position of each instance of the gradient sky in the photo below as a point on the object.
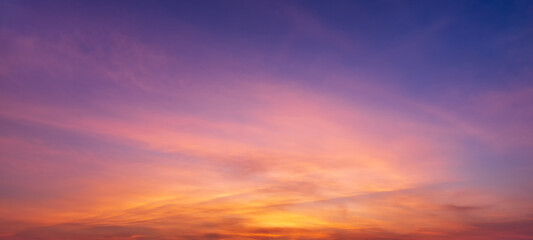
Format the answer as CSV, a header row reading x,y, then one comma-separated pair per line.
x,y
256,120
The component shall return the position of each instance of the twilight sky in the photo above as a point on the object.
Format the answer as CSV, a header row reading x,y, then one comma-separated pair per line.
x,y
256,120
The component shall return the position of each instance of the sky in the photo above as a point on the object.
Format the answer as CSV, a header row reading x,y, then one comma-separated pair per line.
x,y
266,120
